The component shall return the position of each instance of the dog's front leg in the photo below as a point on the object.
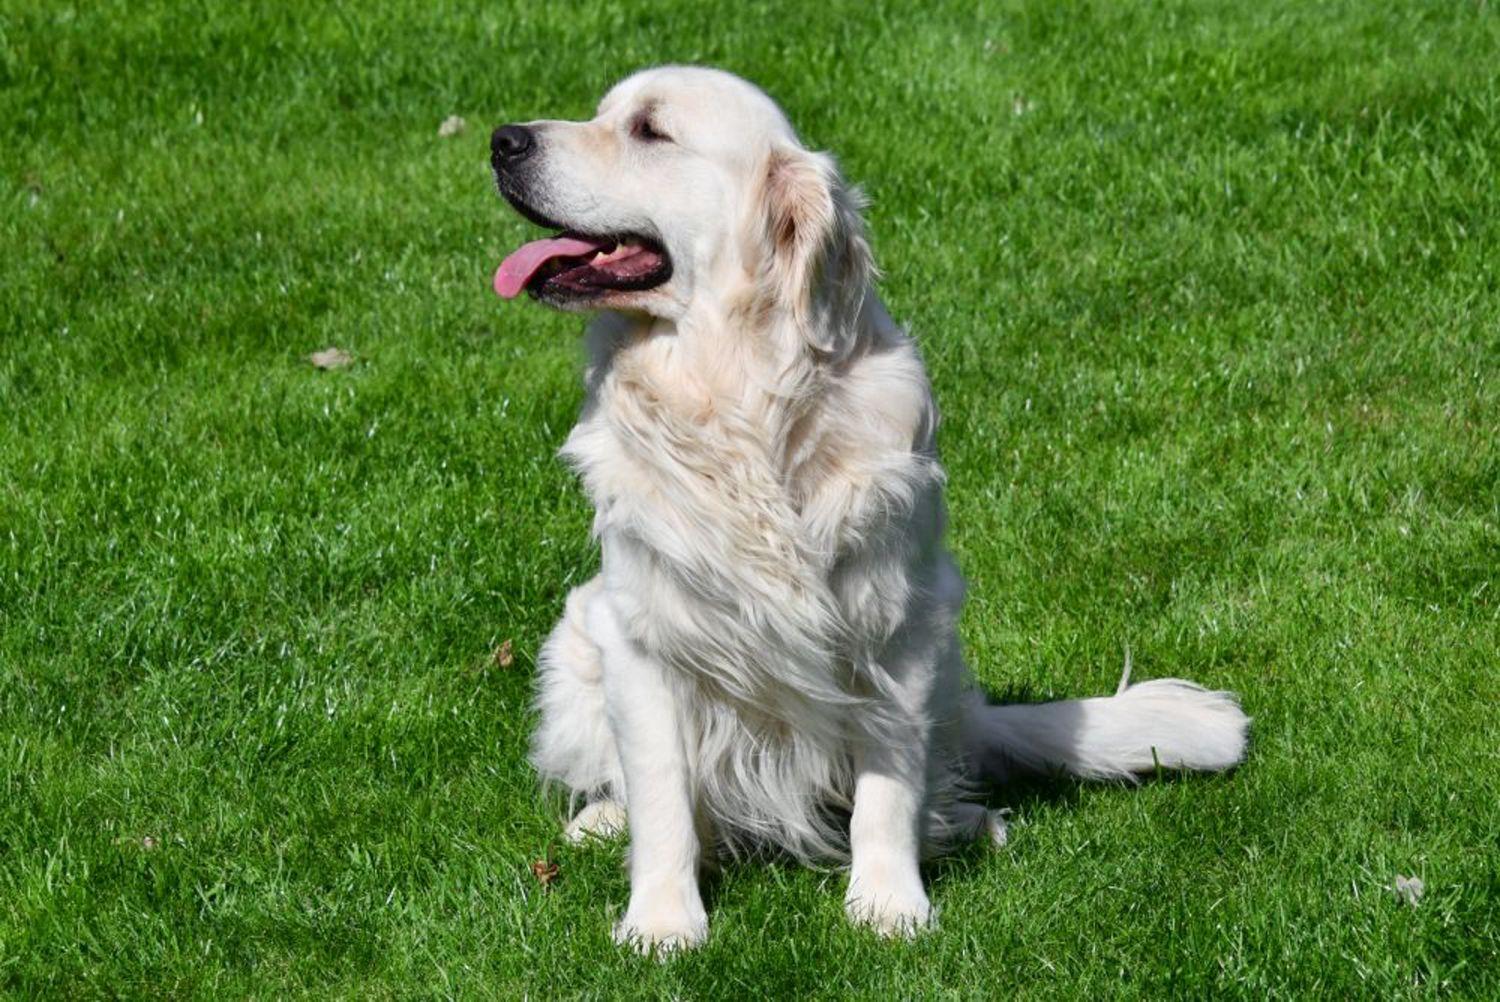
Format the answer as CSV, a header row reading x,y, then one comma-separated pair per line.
x,y
885,836
666,908
890,793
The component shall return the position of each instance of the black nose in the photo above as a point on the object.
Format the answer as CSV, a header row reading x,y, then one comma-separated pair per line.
x,y
511,143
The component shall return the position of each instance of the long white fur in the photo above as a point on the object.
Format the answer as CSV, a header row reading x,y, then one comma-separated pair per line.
x,y
768,658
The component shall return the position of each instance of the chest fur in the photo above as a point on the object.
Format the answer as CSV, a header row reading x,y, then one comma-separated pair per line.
x,y
772,526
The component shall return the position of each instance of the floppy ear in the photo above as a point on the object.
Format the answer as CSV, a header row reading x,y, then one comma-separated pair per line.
x,y
817,262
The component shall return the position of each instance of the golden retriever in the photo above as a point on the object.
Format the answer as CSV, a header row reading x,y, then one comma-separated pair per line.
x,y
768,658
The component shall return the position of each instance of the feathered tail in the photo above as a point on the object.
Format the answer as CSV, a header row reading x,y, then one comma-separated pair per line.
x,y
1167,723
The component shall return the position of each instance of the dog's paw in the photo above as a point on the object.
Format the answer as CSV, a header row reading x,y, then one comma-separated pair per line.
x,y
996,826
660,938
892,905
976,822
662,925
601,819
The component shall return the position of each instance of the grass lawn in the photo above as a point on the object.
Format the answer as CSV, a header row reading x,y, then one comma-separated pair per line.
x,y
1209,295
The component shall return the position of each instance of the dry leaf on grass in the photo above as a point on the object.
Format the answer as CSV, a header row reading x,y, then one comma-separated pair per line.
x,y
452,126
1409,889
505,655
545,871
331,358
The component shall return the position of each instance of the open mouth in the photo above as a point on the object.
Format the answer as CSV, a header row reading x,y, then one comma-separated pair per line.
x,y
574,266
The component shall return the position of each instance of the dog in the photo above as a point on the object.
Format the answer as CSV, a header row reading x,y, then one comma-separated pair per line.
x,y
768,657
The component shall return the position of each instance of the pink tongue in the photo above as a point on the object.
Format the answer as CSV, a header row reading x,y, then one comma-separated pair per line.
x,y
516,270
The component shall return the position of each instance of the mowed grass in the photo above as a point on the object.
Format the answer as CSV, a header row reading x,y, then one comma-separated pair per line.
x,y
1209,296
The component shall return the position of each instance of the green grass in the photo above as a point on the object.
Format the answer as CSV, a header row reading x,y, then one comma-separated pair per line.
x,y
1209,296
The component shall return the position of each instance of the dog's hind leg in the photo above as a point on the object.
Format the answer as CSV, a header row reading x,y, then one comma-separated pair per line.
x,y
573,744
598,819
975,822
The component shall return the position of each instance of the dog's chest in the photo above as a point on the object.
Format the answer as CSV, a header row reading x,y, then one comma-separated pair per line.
x,y
724,512
687,474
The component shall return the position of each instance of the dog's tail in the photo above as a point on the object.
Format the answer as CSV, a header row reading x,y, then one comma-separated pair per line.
x,y
1165,723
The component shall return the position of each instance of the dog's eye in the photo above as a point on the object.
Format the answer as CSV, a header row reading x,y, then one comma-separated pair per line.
x,y
646,131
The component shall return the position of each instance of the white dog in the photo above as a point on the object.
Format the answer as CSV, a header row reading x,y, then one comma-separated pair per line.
x,y
768,657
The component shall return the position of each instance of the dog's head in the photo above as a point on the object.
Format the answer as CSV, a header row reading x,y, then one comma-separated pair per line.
x,y
688,191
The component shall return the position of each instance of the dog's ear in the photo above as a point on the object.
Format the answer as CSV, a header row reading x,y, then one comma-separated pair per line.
x,y
817,263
